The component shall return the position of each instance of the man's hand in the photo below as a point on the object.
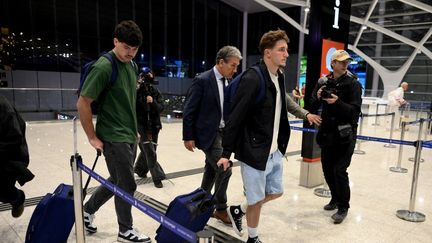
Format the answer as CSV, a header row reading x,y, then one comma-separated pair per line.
x,y
331,100
189,145
224,162
313,119
96,143
319,91
149,99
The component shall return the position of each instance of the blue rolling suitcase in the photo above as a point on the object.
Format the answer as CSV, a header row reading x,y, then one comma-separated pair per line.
x,y
192,210
53,217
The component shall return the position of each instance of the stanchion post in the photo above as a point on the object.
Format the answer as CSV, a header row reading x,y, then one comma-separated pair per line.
x,y
389,145
398,168
419,137
323,191
205,236
376,116
358,149
411,215
77,190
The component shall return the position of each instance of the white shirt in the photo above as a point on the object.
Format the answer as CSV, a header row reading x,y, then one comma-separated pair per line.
x,y
278,107
396,97
221,93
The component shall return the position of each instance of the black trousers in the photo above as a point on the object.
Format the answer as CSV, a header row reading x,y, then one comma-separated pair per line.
x,y
335,161
211,176
147,158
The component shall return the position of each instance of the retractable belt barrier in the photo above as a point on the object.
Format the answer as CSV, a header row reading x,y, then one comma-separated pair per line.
x,y
426,144
165,221
384,114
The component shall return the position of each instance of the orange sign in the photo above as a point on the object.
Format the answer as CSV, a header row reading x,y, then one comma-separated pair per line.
x,y
328,47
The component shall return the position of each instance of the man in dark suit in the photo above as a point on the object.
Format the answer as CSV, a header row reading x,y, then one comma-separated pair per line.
x,y
203,122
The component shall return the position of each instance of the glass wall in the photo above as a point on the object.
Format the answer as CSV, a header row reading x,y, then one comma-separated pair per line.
x,y
181,37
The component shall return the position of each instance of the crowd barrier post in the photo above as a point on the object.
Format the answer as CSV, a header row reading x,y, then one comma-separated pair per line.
x,y
419,137
376,123
205,236
429,129
358,144
77,189
398,168
389,145
411,215
323,191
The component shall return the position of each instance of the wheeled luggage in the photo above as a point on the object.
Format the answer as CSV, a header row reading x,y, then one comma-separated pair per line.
x,y
53,217
192,210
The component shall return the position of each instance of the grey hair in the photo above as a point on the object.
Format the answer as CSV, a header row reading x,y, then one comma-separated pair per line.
x,y
227,52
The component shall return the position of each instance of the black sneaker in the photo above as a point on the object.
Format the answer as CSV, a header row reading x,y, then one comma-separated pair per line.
x,y
254,240
236,215
330,206
158,184
88,223
132,236
18,205
340,215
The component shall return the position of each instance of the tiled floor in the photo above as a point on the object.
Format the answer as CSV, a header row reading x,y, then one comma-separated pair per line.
x,y
377,193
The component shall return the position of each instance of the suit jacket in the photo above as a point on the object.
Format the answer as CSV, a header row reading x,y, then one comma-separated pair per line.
x,y
202,111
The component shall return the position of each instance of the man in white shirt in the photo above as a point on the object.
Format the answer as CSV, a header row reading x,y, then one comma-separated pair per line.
x,y
396,99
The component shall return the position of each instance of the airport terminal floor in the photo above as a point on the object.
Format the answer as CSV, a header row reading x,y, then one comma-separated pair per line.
x,y
298,216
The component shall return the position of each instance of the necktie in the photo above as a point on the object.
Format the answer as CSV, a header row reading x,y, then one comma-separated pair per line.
x,y
223,81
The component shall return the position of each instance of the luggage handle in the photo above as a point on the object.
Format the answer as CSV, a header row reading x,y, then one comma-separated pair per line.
x,y
98,154
220,170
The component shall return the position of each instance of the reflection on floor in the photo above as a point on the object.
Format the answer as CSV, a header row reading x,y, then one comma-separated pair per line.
x,y
377,193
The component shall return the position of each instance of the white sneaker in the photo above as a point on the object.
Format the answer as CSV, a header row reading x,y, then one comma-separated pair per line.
x,y
88,223
132,236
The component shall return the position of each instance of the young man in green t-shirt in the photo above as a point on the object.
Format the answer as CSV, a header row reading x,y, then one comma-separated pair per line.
x,y
116,127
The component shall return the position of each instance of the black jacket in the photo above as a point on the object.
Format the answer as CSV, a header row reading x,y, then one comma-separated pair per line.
x,y
148,114
346,110
14,156
248,132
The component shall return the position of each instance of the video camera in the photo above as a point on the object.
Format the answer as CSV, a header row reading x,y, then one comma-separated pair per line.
x,y
147,77
329,89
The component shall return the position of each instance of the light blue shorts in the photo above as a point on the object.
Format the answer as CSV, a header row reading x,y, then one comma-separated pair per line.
x,y
260,183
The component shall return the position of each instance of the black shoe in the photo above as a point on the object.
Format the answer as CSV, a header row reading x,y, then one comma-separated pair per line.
x,y
340,215
235,214
330,206
18,206
158,184
254,240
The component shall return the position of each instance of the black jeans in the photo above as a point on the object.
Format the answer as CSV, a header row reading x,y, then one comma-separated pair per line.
x,y
147,159
119,158
211,176
335,160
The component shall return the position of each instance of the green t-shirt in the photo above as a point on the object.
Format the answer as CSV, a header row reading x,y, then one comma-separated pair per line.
x,y
116,120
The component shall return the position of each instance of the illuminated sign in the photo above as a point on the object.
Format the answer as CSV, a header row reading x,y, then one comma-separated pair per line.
x,y
328,47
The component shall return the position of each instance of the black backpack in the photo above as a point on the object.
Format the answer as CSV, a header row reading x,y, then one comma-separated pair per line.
x,y
231,89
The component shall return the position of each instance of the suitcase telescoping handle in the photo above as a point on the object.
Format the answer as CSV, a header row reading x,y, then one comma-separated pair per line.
x,y
219,173
98,154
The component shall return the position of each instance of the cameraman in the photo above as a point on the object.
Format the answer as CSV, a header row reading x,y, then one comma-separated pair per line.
x,y
339,93
149,106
